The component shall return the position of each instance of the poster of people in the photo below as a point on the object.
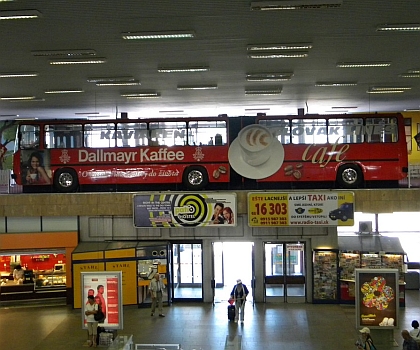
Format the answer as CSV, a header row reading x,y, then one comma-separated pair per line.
x,y
377,298
184,209
106,288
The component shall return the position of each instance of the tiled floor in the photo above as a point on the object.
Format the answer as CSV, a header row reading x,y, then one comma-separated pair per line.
x,y
201,326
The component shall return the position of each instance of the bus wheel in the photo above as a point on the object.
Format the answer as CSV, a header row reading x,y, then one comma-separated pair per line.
x,y
195,178
65,180
349,176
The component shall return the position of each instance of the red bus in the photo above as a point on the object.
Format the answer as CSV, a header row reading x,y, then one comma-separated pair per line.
x,y
195,152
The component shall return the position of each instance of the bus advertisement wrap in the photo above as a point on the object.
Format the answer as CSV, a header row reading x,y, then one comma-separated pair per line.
x,y
300,209
184,209
106,288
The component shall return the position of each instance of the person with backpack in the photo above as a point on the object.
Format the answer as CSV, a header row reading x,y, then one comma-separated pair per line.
x,y
409,343
239,294
367,341
415,332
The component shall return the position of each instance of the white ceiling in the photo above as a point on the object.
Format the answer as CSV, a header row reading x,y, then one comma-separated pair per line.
x,y
223,30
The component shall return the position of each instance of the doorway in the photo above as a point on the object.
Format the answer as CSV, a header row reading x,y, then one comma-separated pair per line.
x,y
285,272
232,261
187,283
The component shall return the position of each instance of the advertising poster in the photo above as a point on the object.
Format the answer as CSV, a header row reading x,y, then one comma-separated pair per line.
x,y
300,209
184,209
377,298
106,287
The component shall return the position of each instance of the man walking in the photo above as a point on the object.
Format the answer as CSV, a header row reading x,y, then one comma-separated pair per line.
x,y
239,294
156,288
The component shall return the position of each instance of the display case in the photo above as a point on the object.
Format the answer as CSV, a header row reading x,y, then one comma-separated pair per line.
x,y
325,276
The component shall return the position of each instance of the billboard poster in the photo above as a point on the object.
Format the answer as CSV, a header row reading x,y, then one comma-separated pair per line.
x,y
377,298
184,209
300,209
106,287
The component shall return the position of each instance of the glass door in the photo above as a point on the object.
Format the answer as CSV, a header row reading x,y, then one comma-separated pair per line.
x,y
188,271
285,272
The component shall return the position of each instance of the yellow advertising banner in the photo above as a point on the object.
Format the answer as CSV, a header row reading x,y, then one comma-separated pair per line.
x,y
300,209
129,279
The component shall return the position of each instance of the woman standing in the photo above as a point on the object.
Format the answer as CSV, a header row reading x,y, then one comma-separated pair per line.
x,y
367,342
91,309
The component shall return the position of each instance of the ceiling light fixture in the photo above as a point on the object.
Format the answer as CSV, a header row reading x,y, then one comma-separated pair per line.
x,y
67,91
158,35
144,94
292,46
19,74
196,87
279,55
409,75
269,91
269,76
335,84
118,83
85,113
294,4
183,69
256,109
344,107
398,27
77,61
64,53
390,88
173,111
362,64
414,71
16,98
109,79
21,14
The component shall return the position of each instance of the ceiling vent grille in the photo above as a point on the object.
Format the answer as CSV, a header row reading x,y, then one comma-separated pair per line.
x,y
365,227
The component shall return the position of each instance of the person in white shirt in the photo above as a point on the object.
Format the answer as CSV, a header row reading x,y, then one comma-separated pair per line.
x,y
18,274
91,308
415,332
156,289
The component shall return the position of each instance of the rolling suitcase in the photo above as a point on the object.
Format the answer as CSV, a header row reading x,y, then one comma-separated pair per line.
x,y
231,312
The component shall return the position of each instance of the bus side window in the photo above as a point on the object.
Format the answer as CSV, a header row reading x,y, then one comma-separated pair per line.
x,y
29,137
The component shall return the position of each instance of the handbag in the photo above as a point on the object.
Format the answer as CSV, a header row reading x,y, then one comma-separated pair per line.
x,y
99,316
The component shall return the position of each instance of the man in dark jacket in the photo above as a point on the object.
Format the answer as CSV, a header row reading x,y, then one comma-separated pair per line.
x,y
239,294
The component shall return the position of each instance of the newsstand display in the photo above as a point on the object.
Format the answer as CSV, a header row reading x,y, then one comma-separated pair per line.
x,y
325,276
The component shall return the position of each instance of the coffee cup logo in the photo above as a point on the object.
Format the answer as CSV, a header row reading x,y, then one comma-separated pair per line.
x,y
255,141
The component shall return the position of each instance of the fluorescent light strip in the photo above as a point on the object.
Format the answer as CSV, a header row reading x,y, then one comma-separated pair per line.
x,y
109,79
85,113
414,71
409,75
389,88
269,76
63,91
263,92
118,83
173,111
384,91
279,55
412,110
19,74
182,69
21,14
78,61
158,35
335,84
294,46
256,109
362,64
398,27
346,107
294,4
67,53
17,98
196,87
145,94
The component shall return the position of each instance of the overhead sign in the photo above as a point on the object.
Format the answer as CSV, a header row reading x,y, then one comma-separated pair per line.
x,y
184,209
300,209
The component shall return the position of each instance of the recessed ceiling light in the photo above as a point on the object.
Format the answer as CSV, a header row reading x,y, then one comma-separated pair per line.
x,y
362,64
18,74
294,4
21,14
344,107
118,83
158,35
335,84
140,94
298,54
67,91
11,98
256,109
269,76
64,53
409,75
390,88
196,87
110,79
63,61
173,111
183,69
292,46
414,71
398,27
268,91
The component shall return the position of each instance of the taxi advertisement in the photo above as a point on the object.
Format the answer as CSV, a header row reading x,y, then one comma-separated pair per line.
x,y
300,209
